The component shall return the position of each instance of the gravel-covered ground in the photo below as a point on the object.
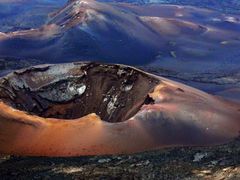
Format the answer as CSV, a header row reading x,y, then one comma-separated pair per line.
x,y
219,162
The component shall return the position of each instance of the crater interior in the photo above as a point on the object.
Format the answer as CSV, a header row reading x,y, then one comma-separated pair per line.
x,y
73,90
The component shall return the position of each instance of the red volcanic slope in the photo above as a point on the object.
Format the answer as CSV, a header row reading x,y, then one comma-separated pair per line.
x,y
88,109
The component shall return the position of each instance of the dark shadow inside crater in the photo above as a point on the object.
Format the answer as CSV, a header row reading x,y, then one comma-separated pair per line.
x,y
69,91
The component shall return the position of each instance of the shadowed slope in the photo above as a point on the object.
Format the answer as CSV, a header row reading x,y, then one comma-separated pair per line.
x,y
133,34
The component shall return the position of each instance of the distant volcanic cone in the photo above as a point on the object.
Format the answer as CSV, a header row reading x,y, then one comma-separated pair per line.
x,y
176,37
89,108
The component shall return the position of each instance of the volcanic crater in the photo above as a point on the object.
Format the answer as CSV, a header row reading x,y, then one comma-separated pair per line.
x,y
84,108
114,92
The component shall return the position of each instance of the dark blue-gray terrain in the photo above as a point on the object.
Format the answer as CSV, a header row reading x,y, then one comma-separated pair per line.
x,y
21,15
199,46
227,6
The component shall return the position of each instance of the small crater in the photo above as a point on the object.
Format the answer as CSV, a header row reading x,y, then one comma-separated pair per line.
x,y
181,90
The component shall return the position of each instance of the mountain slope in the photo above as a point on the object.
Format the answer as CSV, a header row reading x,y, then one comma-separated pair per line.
x,y
132,34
